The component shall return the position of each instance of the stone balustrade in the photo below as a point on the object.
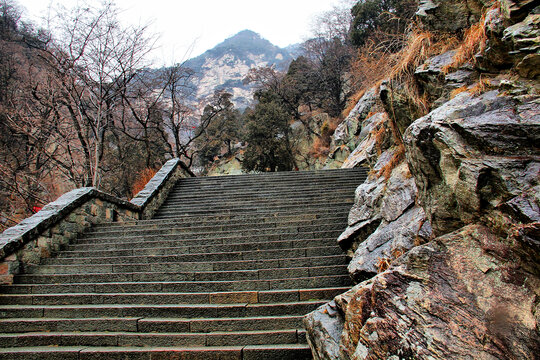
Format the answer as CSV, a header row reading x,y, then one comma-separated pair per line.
x,y
63,220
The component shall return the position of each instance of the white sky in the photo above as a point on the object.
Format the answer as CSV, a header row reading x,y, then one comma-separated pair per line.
x,y
199,25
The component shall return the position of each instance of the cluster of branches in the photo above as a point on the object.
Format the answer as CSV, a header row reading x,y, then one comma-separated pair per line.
x,y
79,107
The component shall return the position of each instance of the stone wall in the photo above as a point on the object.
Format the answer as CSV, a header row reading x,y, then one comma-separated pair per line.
x,y
63,220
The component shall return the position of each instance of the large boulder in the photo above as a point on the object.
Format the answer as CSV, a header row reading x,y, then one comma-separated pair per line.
x,y
465,295
472,155
378,200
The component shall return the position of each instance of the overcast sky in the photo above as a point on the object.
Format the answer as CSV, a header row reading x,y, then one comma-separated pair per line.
x,y
199,25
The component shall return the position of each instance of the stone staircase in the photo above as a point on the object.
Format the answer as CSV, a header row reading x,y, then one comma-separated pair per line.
x,y
225,270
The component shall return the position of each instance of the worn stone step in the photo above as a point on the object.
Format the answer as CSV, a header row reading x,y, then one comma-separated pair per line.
x,y
164,276
150,272
268,263
148,324
186,311
261,205
312,262
240,213
217,225
223,219
249,352
271,208
330,224
208,240
155,254
249,297
44,284
259,181
333,173
122,339
275,195
204,239
284,193
199,257
264,184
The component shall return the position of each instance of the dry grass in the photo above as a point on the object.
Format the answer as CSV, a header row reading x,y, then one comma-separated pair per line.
x,y
417,50
398,157
142,179
321,146
480,87
474,42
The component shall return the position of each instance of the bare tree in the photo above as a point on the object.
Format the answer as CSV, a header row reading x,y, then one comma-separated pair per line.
x,y
93,59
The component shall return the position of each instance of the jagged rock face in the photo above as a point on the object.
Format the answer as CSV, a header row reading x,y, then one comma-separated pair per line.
x,y
473,155
450,15
458,223
454,298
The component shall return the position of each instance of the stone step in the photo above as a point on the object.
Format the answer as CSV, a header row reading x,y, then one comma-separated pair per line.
x,y
284,193
206,239
333,223
283,253
280,176
261,183
276,193
123,339
224,219
148,324
185,311
260,203
284,174
239,213
249,297
249,352
316,265
97,283
355,176
154,254
256,209
169,272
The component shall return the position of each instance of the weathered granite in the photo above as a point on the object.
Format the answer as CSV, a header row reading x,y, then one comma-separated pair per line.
x,y
450,15
327,324
472,153
453,298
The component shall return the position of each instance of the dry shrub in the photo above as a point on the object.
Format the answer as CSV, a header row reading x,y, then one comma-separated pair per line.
x,y
321,145
142,179
414,54
474,42
383,264
378,135
480,87
458,91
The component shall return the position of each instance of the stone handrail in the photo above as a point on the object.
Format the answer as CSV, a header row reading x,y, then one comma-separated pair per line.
x,y
63,220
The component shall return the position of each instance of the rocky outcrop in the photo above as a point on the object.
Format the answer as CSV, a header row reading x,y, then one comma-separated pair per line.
x,y
445,243
472,155
454,298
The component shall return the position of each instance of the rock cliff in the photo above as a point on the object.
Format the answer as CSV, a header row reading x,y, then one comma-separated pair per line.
x,y
444,236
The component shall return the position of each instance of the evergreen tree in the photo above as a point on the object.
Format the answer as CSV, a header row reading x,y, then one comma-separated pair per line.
x,y
267,134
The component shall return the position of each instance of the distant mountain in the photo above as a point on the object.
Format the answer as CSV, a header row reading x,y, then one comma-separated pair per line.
x,y
228,63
